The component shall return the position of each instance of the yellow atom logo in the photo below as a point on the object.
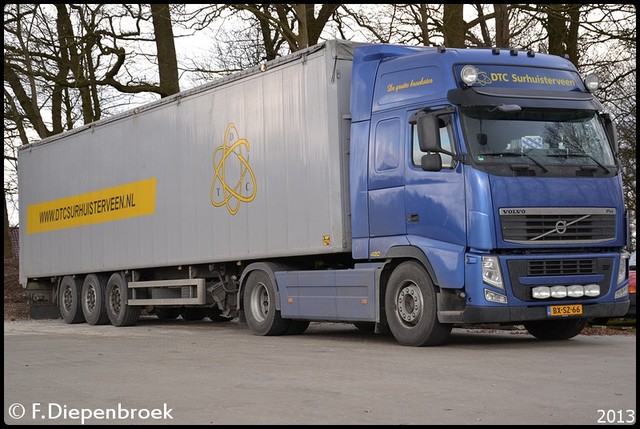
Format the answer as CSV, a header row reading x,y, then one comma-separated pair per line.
x,y
236,171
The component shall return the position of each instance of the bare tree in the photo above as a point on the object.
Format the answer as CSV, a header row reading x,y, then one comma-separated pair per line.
x,y
166,48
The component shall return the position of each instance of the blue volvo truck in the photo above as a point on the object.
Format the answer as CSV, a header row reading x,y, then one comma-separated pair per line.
x,y
399,189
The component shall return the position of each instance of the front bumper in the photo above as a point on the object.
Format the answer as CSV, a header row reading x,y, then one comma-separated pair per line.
x,y
474,314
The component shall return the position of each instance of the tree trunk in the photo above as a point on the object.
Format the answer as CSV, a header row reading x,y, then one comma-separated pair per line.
x,y
8,249
453,26
502,25
167,61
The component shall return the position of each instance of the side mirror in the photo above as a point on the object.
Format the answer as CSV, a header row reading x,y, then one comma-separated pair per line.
x,y
431,162
428,133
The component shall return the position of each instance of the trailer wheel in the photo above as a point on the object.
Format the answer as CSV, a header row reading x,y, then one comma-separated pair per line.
x,y
69,302
93,305
562,329
120,313
260,306
411,309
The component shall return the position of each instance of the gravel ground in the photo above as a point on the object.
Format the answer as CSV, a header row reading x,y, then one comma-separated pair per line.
x,y
16,306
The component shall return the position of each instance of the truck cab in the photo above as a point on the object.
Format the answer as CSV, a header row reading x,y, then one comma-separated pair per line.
x,y
494,170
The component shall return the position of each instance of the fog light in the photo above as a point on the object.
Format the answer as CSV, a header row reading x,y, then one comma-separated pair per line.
x,y
559,291
592,290
622,292
494,297
575,291
541,292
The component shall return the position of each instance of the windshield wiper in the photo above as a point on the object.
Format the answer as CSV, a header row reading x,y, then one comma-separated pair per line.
x,y
519,155
579,155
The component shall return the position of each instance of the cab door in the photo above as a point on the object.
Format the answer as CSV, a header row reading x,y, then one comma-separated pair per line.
x,y
435,201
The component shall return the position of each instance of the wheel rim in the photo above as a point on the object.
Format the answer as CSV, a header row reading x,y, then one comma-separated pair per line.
x,y
90,299
409,304
67,298
115,300
260,302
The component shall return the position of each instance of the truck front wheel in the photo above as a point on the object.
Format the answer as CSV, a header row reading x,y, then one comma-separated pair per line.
x,y
69,302
120,313
259,301
562,329
411,309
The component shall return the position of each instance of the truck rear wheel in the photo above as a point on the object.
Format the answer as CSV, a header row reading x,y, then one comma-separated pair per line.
x,y
120,313
259,302
69,302
561,329
93,305
411,309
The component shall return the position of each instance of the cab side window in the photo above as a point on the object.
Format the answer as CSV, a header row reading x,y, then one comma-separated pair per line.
x,y
446,142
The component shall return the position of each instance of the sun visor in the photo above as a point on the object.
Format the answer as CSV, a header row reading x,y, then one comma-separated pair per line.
x,y
524,98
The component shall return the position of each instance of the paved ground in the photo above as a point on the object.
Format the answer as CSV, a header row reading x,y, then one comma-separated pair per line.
x,y
204,373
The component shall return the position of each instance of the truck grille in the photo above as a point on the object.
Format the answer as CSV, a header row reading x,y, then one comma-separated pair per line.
x,y
557,225
563,267
525,274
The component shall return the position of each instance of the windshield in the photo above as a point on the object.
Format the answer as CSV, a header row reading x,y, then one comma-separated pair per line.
x,y
550,141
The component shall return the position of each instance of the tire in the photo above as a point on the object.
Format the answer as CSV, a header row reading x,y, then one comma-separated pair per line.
x,y
120,313
259,301
192,314
297,327
561,329
365,326
69,302
167,313
93,302
411,308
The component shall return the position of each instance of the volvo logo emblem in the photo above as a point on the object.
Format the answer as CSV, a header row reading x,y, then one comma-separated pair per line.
x,y
561,227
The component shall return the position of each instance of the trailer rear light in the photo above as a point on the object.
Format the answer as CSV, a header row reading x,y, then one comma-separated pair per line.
x,y
573,291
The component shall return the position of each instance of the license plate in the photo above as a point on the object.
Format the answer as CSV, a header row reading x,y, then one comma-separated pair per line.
x,y
564,310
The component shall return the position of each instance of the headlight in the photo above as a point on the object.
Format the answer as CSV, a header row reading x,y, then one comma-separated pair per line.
x,y
491,273
592,82
622,268
469,75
